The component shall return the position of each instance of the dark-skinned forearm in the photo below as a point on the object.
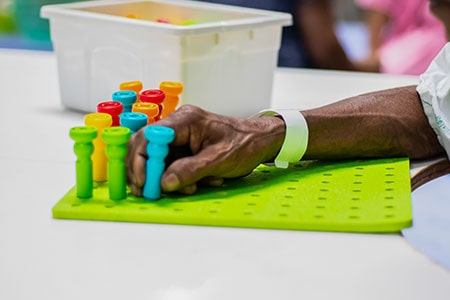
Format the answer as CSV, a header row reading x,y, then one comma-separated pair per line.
x,y
379,124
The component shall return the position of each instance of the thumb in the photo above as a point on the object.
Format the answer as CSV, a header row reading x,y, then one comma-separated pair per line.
x,y
187,171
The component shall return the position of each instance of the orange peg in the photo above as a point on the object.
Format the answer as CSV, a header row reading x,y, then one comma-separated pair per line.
x,y
148,108
99,160
154,96
172,90
135,86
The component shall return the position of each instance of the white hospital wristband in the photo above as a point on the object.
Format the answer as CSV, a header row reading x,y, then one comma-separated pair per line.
x,y
296,138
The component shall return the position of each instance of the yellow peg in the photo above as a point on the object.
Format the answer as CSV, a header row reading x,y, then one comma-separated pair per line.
x,y
99,160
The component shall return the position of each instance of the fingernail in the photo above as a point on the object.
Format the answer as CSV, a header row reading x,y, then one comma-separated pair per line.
x,y
171,183
189,190
216,181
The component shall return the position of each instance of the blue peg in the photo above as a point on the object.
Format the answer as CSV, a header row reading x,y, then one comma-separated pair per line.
x,y
159,138
127,98
133,120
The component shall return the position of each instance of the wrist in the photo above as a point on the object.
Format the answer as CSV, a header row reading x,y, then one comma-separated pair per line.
x,y
296,136
275,132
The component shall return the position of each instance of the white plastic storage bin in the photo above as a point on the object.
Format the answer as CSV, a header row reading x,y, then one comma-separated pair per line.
x,y
225,56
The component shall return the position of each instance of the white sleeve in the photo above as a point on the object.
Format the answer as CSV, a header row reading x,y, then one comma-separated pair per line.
x,y
434,91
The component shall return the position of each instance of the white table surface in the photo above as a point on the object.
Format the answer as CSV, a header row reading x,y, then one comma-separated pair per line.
x,y
44,258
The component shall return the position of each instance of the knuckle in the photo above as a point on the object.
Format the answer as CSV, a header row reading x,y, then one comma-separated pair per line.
x,y
191,109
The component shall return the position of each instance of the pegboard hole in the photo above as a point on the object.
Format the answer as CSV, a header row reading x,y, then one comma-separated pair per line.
x,y
389,206
357,182
356,191
325,181
359,168
291,188
324,190
390,216
321,198
389,181
327,174
255,195
388,198
354,207
389,175
76,204
288,197
353,217
109,206
286,205
356,198
177,209
251,204
318,216
293,180
358,175
248,213
283,215
320,207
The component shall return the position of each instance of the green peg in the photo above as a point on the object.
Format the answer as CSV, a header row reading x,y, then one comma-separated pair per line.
x,y
116,139
83,148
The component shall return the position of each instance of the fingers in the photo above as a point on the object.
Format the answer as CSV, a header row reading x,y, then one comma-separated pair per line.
x,y
136,160
188,190
204,168
208,181
212,181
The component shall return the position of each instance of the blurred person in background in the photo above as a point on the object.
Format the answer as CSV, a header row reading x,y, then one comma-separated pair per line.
x,y
404,36
311,42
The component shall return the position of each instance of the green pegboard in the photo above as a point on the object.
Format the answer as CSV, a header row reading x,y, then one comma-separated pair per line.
x,y
351,196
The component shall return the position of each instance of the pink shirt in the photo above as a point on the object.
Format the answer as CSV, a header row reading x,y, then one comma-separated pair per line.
x,y
413,37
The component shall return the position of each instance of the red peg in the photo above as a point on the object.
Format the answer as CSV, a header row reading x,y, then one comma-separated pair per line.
x,y
113,108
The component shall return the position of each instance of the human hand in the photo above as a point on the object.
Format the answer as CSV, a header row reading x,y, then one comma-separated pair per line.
x,y
208,147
